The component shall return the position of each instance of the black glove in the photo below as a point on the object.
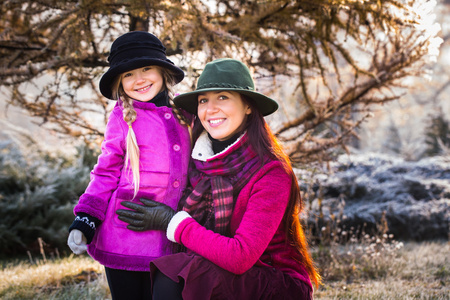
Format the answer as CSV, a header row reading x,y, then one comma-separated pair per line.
x,y
150,216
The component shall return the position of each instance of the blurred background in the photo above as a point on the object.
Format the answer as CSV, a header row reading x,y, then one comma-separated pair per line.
x,y
363,88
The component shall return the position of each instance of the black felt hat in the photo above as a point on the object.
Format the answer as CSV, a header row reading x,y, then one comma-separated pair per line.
x,y
133,50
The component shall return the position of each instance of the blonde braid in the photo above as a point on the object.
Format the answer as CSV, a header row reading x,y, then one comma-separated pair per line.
x,y
132,148
129,116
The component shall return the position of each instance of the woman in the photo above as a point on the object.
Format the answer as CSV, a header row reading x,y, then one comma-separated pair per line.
x,y
239,220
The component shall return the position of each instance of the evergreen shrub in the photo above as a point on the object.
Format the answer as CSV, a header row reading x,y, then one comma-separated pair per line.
x,y
38,191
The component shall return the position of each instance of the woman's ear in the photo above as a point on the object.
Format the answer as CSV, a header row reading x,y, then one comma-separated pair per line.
x,y
248,110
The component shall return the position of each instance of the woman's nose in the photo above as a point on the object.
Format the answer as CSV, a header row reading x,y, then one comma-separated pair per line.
x,y
211,106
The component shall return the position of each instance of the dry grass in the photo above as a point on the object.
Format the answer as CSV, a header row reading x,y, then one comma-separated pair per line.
x,y
415,271
69,278
354,271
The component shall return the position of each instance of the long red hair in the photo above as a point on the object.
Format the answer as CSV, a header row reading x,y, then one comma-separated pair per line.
x,y
265,143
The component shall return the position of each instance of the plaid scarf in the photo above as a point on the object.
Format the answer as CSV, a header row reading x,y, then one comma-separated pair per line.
x,y
215,184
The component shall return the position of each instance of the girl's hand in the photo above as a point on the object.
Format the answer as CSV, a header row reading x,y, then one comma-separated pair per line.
x,y
77,241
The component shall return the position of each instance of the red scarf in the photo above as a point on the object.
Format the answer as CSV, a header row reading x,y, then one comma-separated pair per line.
x,y
215,184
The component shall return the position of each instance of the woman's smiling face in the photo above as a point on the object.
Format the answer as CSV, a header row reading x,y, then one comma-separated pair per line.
x,y
222,113
143,84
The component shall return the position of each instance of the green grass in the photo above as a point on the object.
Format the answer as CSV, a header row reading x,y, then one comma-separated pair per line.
x,y
353,271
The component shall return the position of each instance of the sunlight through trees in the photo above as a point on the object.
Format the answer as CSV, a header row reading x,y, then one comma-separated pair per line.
x,y
334,60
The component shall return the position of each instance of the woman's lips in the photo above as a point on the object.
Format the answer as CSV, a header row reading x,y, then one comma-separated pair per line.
x,y
216,122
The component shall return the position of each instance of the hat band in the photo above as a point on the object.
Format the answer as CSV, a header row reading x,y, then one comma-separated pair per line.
x,y
223,85
142,48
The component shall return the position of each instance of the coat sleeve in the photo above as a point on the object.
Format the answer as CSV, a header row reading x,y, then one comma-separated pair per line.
x,y
267,202
106,173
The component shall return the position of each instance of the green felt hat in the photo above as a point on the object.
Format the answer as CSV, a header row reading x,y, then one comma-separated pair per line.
x,y
226,74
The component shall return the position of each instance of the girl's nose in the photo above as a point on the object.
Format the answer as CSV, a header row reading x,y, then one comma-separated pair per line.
x,y
139,77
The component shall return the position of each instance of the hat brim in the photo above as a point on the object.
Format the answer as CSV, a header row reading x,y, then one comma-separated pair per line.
x,y
189,101
108,78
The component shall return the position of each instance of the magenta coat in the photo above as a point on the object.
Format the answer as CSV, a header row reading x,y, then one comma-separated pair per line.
x,y
164,154
258,237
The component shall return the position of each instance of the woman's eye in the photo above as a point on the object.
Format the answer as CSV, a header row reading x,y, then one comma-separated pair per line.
x,y
202,100
127,75
146,69
222,97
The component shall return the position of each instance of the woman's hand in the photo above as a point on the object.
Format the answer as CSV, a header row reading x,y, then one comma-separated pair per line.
x,y
150,216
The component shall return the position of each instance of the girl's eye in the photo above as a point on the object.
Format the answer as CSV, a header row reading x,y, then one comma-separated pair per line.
x,y
146,69
127,75
202,100
223,97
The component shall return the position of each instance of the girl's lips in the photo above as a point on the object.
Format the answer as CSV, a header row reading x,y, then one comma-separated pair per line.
x,y
144,89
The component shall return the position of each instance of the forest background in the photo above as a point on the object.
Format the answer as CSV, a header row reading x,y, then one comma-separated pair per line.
x,y
351,77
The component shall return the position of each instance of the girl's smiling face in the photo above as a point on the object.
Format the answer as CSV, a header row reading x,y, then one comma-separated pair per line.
x,y
143,84
222,113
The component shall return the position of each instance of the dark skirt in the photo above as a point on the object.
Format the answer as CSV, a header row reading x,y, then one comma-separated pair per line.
x,y
205,280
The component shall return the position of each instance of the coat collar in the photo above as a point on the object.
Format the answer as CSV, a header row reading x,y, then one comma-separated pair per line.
x,y
160,100
203,151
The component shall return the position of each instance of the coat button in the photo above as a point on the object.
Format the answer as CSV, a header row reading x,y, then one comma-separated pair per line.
x,y
167,116
176,184
176,147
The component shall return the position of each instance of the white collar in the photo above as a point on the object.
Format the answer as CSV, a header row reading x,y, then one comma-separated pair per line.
x,y
203,147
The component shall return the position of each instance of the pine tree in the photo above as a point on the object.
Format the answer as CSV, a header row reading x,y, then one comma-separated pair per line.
x,y
437,134
338,57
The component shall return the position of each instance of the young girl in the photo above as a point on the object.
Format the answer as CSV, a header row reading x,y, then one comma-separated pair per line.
x,y
145,153
240,217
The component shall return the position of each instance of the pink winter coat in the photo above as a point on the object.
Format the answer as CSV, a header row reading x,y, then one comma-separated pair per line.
x,y
164,146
